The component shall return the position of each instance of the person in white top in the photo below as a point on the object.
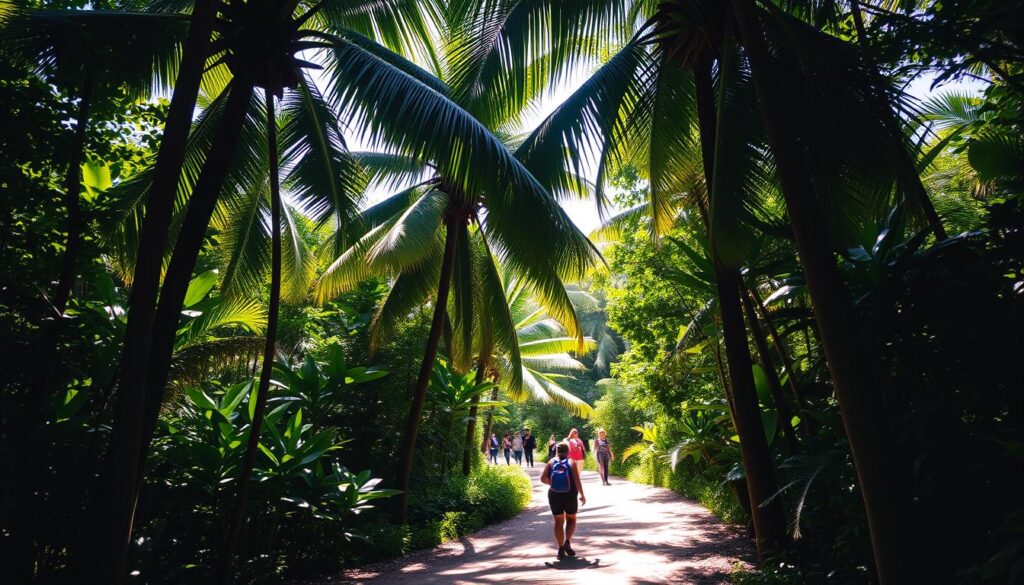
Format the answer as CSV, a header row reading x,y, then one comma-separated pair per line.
x,y
517,448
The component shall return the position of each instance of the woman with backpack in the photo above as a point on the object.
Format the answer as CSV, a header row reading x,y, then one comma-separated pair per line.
x,y
563,479
604,455
506,445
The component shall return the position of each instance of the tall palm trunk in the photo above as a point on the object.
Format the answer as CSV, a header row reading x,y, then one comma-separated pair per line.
x,y
769,519
237,520
407,448
468,444
155,230
445,444
21,469
859,399
785,418
138,407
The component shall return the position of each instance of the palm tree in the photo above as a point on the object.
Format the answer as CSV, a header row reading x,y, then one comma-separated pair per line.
x,y
404,242
364,78
542,355
524,226
820,74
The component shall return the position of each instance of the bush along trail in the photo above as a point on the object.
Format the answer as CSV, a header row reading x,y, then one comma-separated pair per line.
x,y
627,533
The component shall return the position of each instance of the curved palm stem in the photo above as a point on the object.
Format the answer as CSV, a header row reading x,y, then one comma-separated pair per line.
x,y
454,219
237,520
859,399
138,406
768,516
145,284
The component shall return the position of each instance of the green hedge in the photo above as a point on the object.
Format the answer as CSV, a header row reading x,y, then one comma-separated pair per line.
x,y
693,482
451,509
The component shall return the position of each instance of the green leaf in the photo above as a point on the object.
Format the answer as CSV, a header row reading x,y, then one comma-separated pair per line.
x,y
199,287
764,389
233,397
363,375
270,454
96,178
200,399
252,401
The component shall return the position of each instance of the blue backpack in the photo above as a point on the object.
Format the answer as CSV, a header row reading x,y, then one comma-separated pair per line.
x,y
561,476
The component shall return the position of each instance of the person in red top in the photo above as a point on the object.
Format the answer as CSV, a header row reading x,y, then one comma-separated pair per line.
x,y
576,449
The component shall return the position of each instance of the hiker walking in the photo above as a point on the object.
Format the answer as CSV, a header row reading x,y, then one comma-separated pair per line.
x,y
529,444
517,448
552,443
492,446
604,454
576,448
565,486
506,446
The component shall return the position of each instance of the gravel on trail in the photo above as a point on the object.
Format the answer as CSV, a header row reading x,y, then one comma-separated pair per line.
x,y
628,533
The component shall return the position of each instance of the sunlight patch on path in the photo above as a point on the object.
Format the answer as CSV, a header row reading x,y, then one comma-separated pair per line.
x,y
628,534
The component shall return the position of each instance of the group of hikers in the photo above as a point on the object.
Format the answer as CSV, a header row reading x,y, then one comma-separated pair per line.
x,y
561,473
520,445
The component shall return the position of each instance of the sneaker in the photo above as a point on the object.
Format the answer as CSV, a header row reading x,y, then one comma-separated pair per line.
x,y
561,552
568,549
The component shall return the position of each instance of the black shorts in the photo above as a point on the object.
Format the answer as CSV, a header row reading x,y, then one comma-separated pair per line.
x,y
566,503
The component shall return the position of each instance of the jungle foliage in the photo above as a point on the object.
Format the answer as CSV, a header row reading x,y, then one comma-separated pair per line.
x,y
228,357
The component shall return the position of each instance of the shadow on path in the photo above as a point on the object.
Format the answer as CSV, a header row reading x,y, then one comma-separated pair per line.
x,y
628,534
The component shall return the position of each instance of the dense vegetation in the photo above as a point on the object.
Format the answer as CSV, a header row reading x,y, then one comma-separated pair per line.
x,y
229,357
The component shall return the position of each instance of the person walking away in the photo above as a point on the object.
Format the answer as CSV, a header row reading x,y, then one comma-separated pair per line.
x,y
492,445
529,444
506,446
576,449
552,443
565,486
517,448
604,455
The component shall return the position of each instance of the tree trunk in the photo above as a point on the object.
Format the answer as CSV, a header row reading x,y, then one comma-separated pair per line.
x,y
769,519
21,469
407,448
785,417
468,445
490,422
138,404
858,22
155,228
859,399
76,225
237,521
444,450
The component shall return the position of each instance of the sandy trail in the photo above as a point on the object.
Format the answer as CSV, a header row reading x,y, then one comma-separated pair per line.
x,y
628,534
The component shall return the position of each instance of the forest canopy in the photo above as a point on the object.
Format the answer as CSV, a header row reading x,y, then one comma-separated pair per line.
x,y
273,271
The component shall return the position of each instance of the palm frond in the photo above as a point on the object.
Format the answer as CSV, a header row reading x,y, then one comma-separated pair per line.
x,y
326,180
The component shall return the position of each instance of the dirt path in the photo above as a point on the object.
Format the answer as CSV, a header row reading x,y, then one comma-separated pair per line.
x,y
628,533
